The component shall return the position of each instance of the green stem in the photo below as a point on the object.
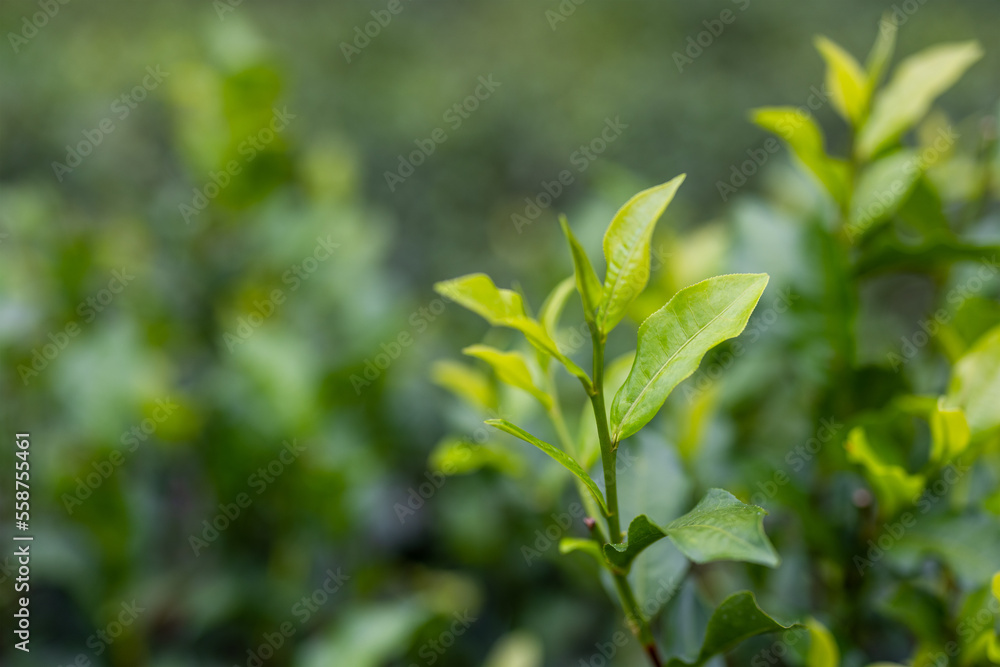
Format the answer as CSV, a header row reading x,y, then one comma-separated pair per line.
x,y
637,622
607,448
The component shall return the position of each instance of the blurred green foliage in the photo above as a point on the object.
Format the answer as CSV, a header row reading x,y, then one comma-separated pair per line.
x,y
160,363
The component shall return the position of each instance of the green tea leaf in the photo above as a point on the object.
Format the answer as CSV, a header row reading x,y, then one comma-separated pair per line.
x,y
588,546
847,82
453,456
823,651
893,486
552,308
950,432
917,82
503,307
511,368
465,382
587,282
881,189
559,455
881,53
799,130
641,533
626,250
975,383
720,527
673,340
736,619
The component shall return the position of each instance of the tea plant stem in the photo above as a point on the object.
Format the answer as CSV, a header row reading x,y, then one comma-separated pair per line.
x,y
607,451
636,621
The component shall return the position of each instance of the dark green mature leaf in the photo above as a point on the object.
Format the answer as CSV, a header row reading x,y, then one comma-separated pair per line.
x,y
641,533
720,527
503,307
626,250
587,282
736,619
673,340
917,82
562,457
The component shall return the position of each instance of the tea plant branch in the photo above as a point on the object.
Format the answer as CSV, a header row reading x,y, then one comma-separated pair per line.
x,y
671,345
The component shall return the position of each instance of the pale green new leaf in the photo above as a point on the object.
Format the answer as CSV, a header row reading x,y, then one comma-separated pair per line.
x,y
588,546
736,619
799,130
823,651
975,383
626,250
554,303
453,456
503,307
882,188
587,282
894,486
465,382
950,432
881,53
908,96
511,368
846,80
562,457
673,340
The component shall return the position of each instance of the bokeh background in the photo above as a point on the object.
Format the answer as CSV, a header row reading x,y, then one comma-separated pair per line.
x,y
182,322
